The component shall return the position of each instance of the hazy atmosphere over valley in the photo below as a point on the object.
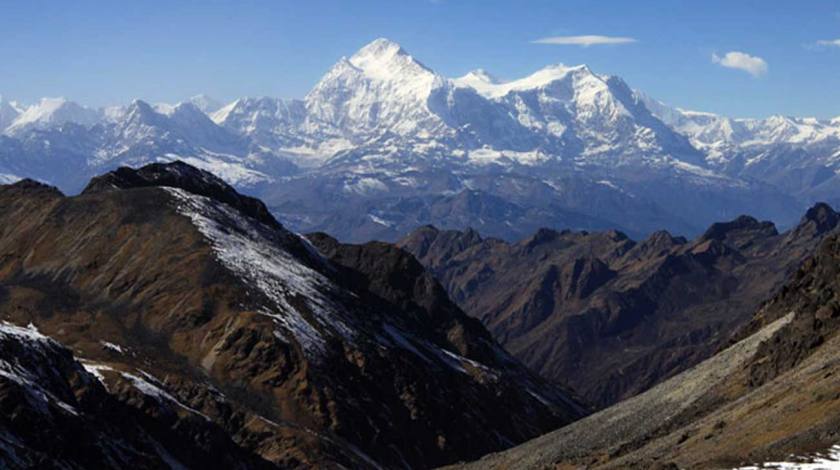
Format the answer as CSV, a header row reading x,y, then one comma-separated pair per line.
x,y
431,233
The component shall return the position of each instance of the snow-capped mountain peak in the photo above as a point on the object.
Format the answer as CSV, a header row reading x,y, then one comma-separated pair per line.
x,y
205,103
189,110
221,115
53,111
379,89
478,79
479,76
140,111
386,60
719,135
488,86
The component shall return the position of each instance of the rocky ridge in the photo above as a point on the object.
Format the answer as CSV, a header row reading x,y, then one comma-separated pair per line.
x,y
182,295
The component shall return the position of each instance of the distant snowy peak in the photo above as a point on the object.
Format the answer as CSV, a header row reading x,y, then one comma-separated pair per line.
x,y
53,112
490,87
205,103
177,125
383,101
382,64
791,129
386,60
558,98
379,89
477,77
140,112
259,114
715,133
270,124
189,113
669,115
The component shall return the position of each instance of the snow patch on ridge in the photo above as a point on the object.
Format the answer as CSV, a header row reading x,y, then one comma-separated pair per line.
x,y
830,460
227,167
148,385
380,221
28,373
299,296
8,178
365,186
95,370
489,87
113,347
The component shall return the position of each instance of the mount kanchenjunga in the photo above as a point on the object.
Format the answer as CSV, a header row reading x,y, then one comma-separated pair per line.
x,y
192,304
385,143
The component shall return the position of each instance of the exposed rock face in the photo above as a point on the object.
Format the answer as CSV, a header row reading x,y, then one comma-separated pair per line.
x,y
180,292
610,316
741,232
180,175
813,298
57,414
771,394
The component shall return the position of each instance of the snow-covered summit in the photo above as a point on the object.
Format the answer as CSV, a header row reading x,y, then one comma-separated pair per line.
x,y
379,89
477,77
720,134
53,112
201,102
488,86
206,103
385,59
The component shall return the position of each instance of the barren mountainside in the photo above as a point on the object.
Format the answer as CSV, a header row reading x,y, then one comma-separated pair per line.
x,y
192,310
769,397
611,316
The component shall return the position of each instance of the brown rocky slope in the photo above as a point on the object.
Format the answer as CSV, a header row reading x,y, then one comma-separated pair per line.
x,y
773,393
610,316
190,302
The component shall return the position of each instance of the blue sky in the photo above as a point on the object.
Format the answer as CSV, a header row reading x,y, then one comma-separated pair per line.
x,y
102,53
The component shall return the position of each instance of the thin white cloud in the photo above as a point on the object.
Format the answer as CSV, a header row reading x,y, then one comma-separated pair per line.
x,y
829,42
753,65
585,41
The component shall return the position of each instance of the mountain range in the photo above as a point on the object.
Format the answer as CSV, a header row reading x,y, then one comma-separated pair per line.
x,y
162,318
770,396
610,316
383,144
